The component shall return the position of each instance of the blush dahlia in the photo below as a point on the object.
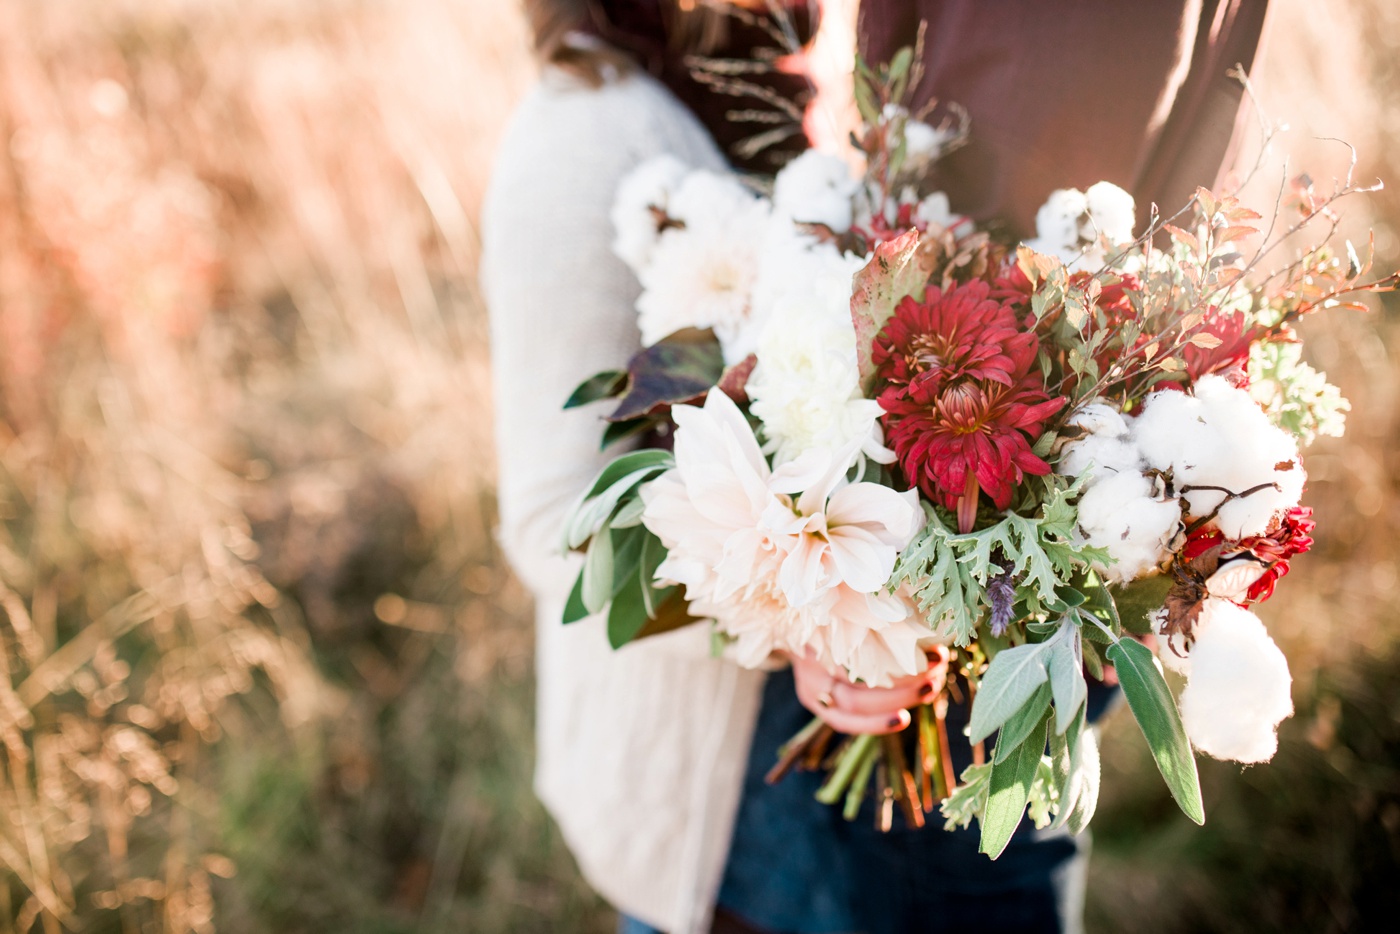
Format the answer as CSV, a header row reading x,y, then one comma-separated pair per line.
x,y
961,404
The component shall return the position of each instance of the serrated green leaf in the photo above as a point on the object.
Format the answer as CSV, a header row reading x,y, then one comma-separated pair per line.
x,y
1009,791
1020,724
574,610
896,269
603,385
598,573
1009,682
969,799
1156,713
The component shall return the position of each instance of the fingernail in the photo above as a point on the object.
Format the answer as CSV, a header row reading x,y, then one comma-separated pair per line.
x,y
925,690
896,721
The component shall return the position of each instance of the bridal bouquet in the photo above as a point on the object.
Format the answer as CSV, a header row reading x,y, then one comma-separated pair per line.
x,y
874,429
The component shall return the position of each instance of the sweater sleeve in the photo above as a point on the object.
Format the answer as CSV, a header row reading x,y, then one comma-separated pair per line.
x,y
561,304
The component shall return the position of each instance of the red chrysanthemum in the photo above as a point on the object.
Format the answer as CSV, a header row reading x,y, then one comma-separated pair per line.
x,y
1232,353
961,404
951,336
1012,287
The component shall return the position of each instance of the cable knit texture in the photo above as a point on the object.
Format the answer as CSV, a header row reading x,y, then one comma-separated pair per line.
x,y
641,752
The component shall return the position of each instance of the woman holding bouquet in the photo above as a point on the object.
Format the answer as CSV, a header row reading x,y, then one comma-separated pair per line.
x,y
651,758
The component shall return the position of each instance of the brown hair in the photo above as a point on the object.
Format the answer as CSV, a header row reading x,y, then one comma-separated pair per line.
x,y
690,27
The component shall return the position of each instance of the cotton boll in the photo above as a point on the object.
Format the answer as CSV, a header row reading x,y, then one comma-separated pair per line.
x,y
1119,513
1112,212
1057,221
816,188
1105,450
1100,418
1239,687
1219,437
923,143
647,186
1098,456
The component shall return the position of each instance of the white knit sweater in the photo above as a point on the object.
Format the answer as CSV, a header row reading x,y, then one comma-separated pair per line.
x,y
641,751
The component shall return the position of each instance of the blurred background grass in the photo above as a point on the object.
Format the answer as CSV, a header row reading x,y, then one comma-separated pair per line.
x,y
264,670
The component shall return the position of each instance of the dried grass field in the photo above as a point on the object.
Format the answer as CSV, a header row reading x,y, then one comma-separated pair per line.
x,y
261,666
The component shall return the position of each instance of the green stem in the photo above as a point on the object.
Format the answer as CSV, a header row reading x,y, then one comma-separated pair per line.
x,y
855,795
840,779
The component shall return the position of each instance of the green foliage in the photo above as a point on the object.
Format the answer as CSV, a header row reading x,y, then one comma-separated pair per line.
x,y
1045,796
948,573
1011,680
1020,724
1155,710
605,385
1009,791
671,372
969,799
1298,398
897,268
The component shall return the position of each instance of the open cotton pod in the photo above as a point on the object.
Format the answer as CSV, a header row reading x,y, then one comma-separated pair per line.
x,y
1239,687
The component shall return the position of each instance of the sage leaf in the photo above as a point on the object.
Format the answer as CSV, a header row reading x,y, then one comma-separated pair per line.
x,y
1011,679
628,614
1010,791
574,610
1155,710
1066,665
598,573
603,385
1021,723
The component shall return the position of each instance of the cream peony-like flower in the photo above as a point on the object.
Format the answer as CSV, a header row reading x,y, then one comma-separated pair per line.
x,y
644,190
805,386
789,559
702,275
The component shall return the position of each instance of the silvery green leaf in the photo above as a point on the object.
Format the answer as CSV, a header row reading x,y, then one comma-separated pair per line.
x,y
1064,753
629,514
590,515
1010,791
1066,665
1045,796
1011,679
1020,724
598,573
1086,780
1155,711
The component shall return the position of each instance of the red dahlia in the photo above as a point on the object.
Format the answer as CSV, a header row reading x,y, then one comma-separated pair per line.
x,y
961,404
